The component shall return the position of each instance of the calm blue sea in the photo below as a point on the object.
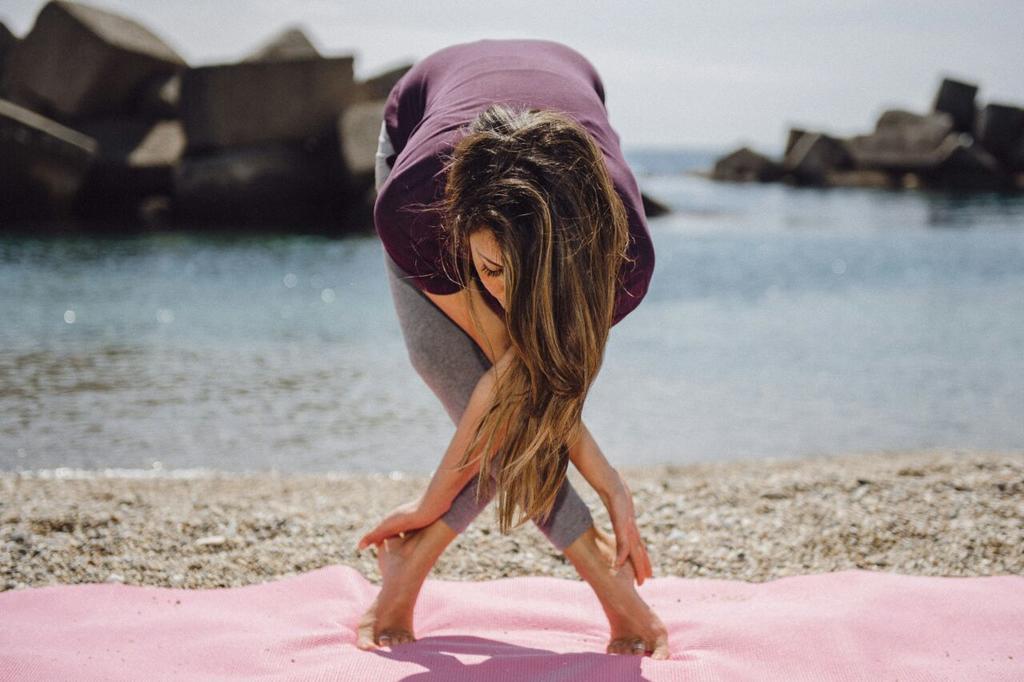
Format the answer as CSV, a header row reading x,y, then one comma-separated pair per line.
x,y
780,322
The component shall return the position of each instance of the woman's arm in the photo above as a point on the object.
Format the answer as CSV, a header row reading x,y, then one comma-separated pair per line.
x,y
590,461
618,499
447,480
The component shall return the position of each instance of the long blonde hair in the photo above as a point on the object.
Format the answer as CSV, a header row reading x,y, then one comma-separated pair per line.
x,y
537,179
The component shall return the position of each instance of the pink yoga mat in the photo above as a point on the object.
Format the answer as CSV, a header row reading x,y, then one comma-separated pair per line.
x,y
846,625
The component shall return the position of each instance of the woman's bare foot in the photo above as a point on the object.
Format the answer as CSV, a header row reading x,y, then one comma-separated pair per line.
x,y
404,564
635,628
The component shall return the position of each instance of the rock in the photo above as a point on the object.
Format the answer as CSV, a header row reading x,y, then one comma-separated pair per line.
x,y
1000,130
291,43
956,98
652,207
379,86
965,165
791,139
7,43
136,160
291,183
1016,160
860,178
902,141
241,104
813,156
80,61
358,132
160,96
43,166
211,541
746,165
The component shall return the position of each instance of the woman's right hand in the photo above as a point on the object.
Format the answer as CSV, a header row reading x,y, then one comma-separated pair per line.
x,y
405,517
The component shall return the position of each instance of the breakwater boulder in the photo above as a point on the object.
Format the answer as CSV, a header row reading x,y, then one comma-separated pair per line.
x,y
79,61
955,146
107,122
44,164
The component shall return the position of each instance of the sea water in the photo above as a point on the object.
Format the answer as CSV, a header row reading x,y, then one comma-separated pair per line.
x,y
780,322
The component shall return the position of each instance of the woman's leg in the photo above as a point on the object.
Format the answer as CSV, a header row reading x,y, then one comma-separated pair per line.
x,y
451,364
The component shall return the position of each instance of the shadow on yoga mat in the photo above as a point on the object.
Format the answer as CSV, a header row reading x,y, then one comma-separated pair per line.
x,y
853,624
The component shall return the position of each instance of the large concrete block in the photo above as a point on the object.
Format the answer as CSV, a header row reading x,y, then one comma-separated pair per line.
x,y
813,156
43,164
956,98
652,207
746,165
291,43
136,160
965,164
80,61
379,86
274,183
7,42
902,142
792,138
358,132
159,97
249,103
1000,129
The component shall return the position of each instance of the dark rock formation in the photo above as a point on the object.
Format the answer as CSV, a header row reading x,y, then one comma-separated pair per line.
x,y
291,43
277,183
80,61
159,97
1001,130
379,86
902,142
746,165
7,43
956,98
791,140
813,156
43,164
135,161
652,207
251,103
950,148
358,132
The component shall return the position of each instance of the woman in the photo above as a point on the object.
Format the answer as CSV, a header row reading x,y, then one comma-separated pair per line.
x,y
514,240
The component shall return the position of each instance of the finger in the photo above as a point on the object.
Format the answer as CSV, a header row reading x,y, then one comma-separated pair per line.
x,y
645,562
371,538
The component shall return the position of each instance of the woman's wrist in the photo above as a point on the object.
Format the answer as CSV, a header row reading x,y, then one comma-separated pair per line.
x,y
610,486
428,510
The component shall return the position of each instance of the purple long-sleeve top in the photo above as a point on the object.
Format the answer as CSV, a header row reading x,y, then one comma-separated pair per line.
x,y
446,90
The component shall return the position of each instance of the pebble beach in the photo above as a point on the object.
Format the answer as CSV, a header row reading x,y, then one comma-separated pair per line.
x,y
935,512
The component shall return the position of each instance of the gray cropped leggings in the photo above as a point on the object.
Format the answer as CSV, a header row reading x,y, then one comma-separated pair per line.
x,y
451,364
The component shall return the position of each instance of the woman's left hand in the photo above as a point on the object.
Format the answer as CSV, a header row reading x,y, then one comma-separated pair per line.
x,y
405,517
628,543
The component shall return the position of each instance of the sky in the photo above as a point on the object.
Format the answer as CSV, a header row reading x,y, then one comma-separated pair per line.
x,y
713,75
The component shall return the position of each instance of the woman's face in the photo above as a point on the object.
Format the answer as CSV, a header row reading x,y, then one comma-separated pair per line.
x,y
488,262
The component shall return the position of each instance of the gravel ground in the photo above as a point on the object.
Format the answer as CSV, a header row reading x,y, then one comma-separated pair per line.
x,y
942,512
